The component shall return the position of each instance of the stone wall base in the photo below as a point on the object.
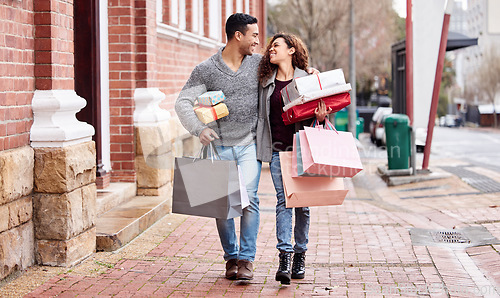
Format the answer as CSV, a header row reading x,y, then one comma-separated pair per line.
x,y
163,191
16,249
66,253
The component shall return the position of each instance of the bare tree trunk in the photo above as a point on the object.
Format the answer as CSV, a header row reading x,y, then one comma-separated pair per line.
x,y
495,124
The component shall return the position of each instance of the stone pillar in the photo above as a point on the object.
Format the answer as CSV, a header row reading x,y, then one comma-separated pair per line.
x,y
153,144
64,202
16,225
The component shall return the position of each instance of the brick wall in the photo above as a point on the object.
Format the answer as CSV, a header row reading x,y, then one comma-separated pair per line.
x,y
175,62
17,82
145,21
54,57
122,69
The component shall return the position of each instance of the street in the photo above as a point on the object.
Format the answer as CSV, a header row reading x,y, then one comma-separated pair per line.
x,y
479,148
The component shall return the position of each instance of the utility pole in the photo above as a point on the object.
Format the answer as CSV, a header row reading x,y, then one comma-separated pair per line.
x,y
352,75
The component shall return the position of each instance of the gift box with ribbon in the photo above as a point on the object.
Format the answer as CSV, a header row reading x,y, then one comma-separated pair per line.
x,y
211,98
301,96
210,114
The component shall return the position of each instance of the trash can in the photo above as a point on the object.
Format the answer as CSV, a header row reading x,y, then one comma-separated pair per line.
x,y
360,124
341,120
398,141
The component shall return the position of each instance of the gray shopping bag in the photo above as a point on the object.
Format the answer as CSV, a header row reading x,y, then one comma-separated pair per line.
x,y
210,188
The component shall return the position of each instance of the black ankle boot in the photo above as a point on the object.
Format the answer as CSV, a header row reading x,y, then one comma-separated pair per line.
x,y
299,265
284,271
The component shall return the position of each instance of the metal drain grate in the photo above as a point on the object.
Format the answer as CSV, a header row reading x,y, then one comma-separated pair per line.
x,y
449,237
478,181
456,238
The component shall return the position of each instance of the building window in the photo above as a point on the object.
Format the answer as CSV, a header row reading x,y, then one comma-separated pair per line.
x,y
229,8
159,11
214,15
182,14
239,5
174,12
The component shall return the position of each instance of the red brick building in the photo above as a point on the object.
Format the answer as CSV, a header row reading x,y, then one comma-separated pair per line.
x,y
113,64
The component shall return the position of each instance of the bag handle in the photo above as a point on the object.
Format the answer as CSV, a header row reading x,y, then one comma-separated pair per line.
x,y
203,154
328,124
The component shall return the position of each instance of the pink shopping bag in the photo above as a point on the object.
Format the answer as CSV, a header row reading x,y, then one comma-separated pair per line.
x,y
310,191
328,152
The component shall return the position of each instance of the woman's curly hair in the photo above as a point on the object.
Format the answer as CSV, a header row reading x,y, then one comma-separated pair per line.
x,y
299,58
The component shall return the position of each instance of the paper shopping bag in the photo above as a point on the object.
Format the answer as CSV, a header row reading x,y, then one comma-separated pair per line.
x,y
329,153
210,188
310,191
296,158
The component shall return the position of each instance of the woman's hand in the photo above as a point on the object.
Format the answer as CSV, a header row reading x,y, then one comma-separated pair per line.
x,y
321,111
312,70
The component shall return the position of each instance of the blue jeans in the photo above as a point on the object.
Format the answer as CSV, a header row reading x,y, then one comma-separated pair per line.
x,y
284,215
246,158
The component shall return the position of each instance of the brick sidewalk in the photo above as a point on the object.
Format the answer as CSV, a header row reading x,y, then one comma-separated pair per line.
x,y
359,249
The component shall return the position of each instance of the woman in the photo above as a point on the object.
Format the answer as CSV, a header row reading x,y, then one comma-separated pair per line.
x,y
285,58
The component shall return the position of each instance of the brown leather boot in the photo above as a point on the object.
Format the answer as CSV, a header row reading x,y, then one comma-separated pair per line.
x,y
231,269
245,270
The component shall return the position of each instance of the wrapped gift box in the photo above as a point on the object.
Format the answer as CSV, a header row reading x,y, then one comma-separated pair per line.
x,y
210,114
211,98
312,87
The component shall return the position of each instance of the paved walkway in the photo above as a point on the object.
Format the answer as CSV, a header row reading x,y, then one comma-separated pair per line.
x,y
362,248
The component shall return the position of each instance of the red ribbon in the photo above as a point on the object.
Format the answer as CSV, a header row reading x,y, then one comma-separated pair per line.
x,y
319,81
212,109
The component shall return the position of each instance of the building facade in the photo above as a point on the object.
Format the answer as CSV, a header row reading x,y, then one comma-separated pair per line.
x,y
86,109
481,22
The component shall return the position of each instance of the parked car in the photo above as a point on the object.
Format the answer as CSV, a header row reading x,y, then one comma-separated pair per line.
x,y
450,121
377,130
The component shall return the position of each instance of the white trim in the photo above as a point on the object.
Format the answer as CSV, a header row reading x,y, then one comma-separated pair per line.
x,y
159,11
166,31
54,119
195,18
239,5
174,12
182,14
247,6
201,20
105,134
214,18
147,110
229,9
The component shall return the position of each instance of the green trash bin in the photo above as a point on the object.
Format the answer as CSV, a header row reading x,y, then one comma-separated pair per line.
x,y
398,140
341,120
360,123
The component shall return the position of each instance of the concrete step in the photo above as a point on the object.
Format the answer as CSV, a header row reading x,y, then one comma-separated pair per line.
x,y
123,223
113,195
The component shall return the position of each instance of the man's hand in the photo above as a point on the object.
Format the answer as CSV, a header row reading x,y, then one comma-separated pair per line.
x,y
207,136
312,70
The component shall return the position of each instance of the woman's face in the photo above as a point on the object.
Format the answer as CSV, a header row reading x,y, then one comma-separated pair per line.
x,y
280,52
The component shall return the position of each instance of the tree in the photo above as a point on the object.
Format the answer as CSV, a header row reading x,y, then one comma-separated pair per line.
x,y
448,87
487,78
324,27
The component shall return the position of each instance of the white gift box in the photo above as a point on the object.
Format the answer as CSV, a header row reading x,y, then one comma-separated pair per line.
x,y
315,86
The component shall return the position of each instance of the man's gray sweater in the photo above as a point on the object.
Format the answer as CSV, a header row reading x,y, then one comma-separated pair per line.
x,y
241,91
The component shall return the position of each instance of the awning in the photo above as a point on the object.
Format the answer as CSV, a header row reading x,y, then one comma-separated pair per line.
x,y
458,40
455,41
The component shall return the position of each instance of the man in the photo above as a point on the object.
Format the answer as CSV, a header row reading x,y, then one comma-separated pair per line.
x,y
232,70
